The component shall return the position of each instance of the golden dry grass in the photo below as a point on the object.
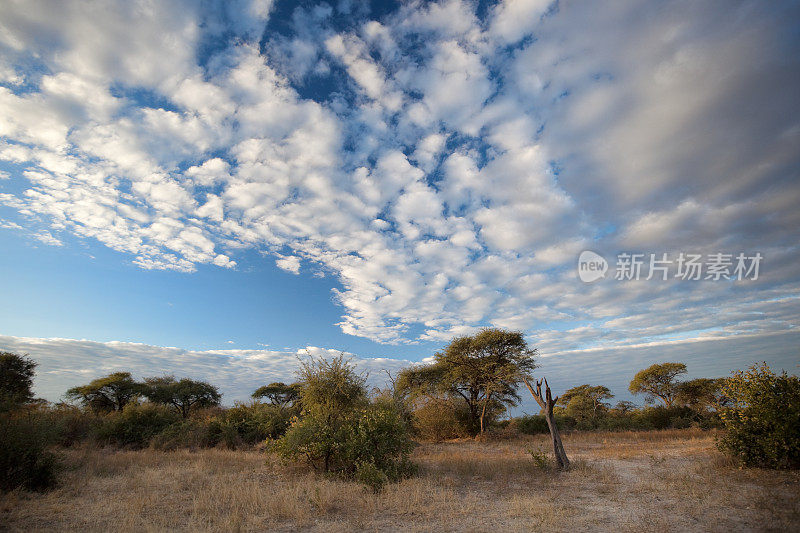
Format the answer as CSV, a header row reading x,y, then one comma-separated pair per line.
x,y
631,481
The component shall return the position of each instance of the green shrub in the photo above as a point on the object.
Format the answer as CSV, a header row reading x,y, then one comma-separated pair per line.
x,y
256,422
440,420
192,434
25,460
541,459
372,435
371,476
532,424
136,424
341,432
661,417
72,425
763,422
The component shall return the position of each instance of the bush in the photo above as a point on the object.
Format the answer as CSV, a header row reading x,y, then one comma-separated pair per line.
x,y
371,476
256,422
440,420
532,424
763,422
375,435
136,424
341,432
661,417
72,425
25,460
192,434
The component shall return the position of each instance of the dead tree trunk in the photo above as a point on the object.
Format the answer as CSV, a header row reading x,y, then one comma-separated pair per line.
x,y
546,402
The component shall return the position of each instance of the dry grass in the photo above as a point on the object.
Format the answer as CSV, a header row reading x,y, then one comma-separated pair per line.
x,y
632,481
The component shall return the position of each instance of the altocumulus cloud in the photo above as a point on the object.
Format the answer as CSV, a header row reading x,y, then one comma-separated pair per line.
x,y
445,163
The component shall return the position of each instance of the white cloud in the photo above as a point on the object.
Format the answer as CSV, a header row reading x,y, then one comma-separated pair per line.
x,y
449,182
289,264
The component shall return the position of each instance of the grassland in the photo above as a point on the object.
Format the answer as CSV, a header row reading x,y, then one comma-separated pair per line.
x,y
630,481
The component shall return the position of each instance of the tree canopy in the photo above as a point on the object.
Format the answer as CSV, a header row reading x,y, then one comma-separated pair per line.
x,y
16,380
483,370
279,393
701,394
585,401
184,394
109,393
658,381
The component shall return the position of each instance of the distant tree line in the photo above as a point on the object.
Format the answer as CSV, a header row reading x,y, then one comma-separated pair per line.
x,y
330,419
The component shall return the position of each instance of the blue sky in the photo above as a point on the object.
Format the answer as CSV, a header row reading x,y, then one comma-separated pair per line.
x,y
243,181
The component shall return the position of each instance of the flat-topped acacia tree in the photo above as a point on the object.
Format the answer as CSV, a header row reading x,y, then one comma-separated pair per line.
x,y
483,370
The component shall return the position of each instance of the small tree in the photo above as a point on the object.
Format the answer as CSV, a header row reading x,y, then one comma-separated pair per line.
x,y
658,381
340,431
109,393
279,393
701,394
763,420
585,401
483,370
16,380
183,395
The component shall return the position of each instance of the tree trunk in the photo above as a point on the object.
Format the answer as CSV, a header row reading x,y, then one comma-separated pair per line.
x,y
483,411
546,402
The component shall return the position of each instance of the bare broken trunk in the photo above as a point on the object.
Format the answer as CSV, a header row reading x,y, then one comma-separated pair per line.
x,y
546,402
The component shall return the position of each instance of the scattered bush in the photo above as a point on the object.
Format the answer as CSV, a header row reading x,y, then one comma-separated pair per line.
x,y
371,476
72,425
192,434
440,419
763,421
532,424
256,422
136,424
540,458
25,460
341,432
16,380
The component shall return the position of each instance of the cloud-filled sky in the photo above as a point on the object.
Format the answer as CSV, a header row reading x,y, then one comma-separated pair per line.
x,y
245,179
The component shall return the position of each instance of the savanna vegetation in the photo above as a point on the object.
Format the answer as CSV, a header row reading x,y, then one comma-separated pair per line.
x,y
425,447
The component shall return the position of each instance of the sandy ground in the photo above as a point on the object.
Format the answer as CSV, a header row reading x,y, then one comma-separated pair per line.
x,y
631,481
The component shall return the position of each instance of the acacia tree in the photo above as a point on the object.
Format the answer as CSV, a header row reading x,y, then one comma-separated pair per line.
x,y
483,370
658,381
585,398
109,393
184,394
279,393
16,379
702,394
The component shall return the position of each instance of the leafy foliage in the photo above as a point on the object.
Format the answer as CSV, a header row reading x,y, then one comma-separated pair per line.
x,y
109,393
251,423
279,394
701,394
16,380
763,420
136,424
183,395
441,418
658,381
585,402
483,370
340,431
25,460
